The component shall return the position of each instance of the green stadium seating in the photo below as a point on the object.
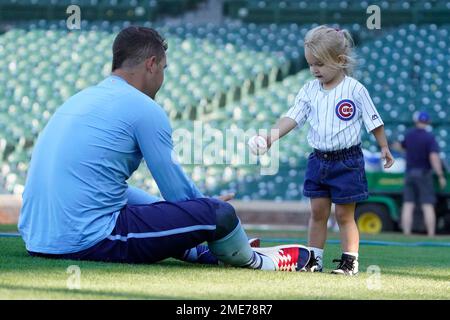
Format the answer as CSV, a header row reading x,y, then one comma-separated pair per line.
x,y
130,10
338,11
394,66
233,76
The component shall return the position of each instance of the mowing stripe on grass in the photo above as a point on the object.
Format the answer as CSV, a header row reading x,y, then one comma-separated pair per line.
x,y
9,235
366,242
292,240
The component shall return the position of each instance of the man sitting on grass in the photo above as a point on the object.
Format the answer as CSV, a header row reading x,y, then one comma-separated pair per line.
x,y
77,204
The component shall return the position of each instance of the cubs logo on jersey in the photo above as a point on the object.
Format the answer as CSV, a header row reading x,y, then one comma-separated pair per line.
x,y
345,109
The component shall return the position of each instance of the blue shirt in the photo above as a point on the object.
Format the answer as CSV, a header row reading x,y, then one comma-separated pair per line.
x,y
419,144
76,183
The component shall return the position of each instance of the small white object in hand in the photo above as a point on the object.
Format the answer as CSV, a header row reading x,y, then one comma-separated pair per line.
x,y
257,145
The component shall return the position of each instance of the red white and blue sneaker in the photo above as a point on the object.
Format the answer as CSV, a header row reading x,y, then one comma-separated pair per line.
x,y
313,265
292,257
348,265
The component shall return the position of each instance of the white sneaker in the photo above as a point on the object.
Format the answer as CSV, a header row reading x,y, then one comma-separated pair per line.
x,y
292,257
348,265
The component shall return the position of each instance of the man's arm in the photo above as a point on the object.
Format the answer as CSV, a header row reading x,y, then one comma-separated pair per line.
x,y
436,164
154,136
382,142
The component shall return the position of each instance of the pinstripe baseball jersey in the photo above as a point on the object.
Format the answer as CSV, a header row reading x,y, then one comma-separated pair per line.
x,y
335,116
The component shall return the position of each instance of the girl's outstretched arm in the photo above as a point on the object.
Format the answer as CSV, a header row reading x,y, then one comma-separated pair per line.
x,y
281,128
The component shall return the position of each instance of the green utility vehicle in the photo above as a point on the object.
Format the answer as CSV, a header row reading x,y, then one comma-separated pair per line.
x,y
382,211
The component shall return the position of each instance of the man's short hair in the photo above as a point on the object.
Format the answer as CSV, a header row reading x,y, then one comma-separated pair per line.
x,y
135,44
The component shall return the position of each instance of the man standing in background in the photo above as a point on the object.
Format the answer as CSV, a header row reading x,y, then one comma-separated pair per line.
x,y
422,155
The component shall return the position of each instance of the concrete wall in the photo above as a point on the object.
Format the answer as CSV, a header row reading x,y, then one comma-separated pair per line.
x,y
284,214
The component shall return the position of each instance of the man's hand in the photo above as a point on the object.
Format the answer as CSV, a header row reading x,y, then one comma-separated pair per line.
x,y
387,157
226,197
436,164
442,182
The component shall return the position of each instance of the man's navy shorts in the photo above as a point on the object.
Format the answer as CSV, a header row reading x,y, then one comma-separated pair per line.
x,y
338,175
419,187
153,232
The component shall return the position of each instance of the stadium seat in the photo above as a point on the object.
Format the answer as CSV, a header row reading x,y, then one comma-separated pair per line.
x,y
233,76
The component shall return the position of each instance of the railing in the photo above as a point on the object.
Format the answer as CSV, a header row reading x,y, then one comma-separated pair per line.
x,y
275,13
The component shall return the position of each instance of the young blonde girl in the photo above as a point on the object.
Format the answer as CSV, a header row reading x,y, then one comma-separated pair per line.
x,y
336,106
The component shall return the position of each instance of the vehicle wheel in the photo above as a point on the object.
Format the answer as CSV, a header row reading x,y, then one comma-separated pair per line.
x,y
373,218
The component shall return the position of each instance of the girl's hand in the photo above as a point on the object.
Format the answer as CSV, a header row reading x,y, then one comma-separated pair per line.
x,y
258,145
387,157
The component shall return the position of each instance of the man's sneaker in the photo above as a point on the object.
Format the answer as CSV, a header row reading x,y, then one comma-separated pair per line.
x,y
313,264
254,242
348,265
287,257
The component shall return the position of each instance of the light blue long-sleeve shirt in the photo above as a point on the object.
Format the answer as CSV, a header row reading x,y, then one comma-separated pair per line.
x,y
76,183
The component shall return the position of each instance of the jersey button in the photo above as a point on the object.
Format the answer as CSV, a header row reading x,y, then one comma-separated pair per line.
x,y
325,156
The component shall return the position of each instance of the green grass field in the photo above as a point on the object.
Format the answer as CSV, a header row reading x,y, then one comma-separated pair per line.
x,y
405,273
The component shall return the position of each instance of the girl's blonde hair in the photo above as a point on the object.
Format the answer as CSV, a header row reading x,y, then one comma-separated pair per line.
x,y
328,45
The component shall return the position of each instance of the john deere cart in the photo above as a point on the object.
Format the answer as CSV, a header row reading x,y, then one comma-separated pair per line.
x,y
382,211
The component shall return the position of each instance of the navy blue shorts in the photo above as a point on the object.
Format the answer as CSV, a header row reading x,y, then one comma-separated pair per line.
x,y
153,232
339,175
419,187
